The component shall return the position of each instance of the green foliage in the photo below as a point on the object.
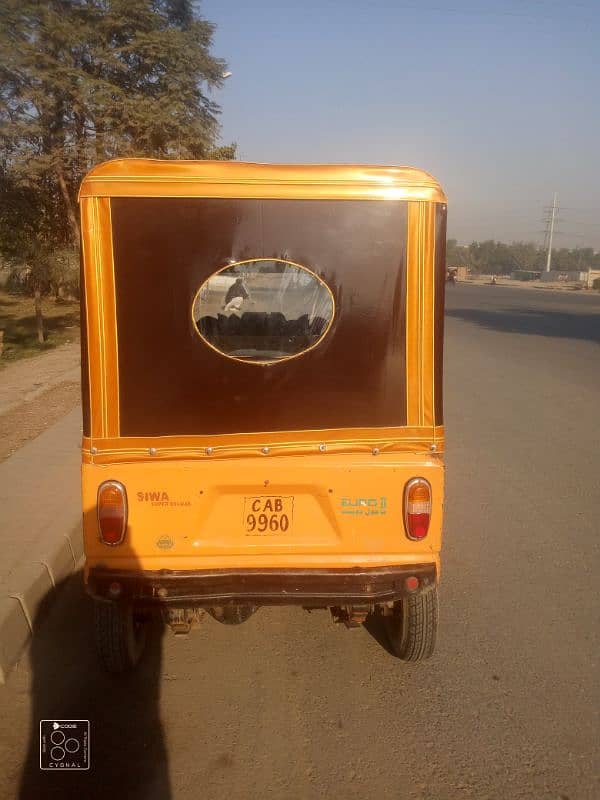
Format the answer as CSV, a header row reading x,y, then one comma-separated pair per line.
x,y
82,81
31,229
491,257
63,273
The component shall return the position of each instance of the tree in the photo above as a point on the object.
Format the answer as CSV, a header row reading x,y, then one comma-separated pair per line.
x,y
82,81
26,246
482,256
526,256
496,257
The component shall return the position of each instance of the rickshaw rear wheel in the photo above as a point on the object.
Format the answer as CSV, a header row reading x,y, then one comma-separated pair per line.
x,y
120,635
412,627
232,614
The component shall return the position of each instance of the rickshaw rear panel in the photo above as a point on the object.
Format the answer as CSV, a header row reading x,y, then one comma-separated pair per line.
x,y
337,510
262,394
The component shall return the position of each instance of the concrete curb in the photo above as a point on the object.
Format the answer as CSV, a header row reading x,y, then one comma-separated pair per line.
x,y
27,588
41,537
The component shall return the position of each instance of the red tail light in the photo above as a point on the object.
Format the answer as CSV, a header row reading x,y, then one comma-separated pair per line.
x,y
112,512
417,508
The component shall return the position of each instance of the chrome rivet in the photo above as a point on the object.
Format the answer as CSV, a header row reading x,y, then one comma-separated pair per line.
x,y
375,451
208,451
265,450
152,451
433,447
323,448
93,450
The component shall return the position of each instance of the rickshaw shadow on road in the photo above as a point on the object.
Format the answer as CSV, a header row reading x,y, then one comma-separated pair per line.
x,y
539,323
375,627
128,757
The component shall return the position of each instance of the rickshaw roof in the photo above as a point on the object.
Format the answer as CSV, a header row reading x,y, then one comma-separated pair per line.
x,y
135,177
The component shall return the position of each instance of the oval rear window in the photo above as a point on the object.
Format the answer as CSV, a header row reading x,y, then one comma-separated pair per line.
x,y
263,310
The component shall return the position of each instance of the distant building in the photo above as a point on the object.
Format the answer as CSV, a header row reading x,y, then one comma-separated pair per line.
x,y
525,275
460,273
584,277
592,275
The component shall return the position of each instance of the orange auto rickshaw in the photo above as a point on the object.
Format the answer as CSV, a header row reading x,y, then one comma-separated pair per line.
x,y
262,396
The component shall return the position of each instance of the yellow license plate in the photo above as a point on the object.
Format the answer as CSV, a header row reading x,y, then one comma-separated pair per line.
x,y
268,515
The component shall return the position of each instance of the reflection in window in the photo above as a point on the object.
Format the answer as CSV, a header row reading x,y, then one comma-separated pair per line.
x,y
263,310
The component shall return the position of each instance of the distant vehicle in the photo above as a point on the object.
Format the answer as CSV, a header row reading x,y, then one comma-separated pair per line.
x,y
284,453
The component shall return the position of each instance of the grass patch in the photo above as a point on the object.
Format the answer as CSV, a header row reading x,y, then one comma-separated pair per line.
x,y
17,320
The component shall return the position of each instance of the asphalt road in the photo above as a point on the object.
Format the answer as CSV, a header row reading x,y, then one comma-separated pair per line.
x,y
289,706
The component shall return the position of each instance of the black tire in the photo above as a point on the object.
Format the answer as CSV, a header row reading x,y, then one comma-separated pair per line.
x,y
412,628
120,635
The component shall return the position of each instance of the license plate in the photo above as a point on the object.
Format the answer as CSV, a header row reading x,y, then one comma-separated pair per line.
x,y
268,515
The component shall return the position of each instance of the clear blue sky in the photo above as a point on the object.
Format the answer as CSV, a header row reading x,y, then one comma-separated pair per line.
x,y
499,100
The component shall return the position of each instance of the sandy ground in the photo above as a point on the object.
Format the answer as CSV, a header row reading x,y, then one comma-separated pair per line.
x,y
546,286
36,392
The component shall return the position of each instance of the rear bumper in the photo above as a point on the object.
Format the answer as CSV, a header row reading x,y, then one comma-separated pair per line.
x,y
306,587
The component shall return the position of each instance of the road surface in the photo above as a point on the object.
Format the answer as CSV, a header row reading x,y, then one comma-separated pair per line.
x,y
289,706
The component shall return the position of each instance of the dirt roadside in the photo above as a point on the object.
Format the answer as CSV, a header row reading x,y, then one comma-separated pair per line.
x,y
485,280
35,393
